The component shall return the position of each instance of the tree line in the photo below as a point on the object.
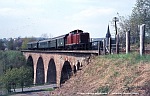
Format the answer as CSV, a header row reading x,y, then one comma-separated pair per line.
x,y
140,15
17,43
20,43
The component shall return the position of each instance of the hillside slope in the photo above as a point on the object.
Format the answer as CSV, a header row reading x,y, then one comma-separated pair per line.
x,y
111,74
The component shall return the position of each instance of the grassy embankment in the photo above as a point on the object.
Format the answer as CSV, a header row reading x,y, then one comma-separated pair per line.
x,y
123,73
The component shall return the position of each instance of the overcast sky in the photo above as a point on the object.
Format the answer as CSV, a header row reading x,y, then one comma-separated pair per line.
x,y
28,18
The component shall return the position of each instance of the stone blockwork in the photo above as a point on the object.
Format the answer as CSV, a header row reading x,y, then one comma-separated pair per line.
x,y
59,60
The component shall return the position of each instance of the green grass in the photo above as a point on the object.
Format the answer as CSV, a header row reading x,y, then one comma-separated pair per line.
x,y
144,58
121,56
131,57
48,89
116,74
103,90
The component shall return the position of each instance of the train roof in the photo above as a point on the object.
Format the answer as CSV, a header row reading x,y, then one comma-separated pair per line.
x,y
45,40
76,31
62,36
97,39
32,42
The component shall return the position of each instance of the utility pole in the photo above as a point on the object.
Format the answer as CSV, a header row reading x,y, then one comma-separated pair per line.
x,y
108,40
104,46
127,42
142,39
115,19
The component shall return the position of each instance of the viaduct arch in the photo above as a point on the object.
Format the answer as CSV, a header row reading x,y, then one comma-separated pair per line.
x,y
53,68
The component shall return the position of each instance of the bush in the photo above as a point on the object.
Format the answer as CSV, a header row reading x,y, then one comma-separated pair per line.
x,y
11,59
16,76
103,89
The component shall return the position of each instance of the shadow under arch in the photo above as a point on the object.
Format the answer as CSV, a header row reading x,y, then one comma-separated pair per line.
x,y
51,73
78,65
30,61
66,72
30,64
40,72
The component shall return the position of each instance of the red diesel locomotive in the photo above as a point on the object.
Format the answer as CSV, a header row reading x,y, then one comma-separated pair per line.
x,y
76,39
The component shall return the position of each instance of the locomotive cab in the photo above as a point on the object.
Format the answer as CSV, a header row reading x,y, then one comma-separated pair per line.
x,y
77,39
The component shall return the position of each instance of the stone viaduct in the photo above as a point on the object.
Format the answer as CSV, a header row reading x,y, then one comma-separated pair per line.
x,y
54,67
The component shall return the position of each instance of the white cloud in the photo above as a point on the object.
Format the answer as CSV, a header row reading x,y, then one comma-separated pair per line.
x,y
23,2
58,16
96,11
19,12
22,7
92,13
4,11
81,1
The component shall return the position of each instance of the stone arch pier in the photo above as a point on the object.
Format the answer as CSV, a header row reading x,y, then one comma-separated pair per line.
x,y
53,68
